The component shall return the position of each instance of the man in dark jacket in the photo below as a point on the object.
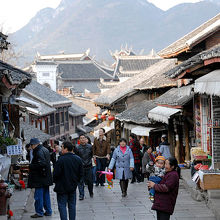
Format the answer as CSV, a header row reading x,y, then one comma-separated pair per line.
x,y
40,178
68,172
84,151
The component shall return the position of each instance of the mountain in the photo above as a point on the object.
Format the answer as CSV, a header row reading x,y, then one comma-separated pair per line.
x,y
214,1
103,25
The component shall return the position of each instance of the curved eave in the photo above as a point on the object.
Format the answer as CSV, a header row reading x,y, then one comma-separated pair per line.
x,y
175,53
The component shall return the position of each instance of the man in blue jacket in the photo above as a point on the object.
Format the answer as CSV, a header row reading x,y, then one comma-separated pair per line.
x,y
68,172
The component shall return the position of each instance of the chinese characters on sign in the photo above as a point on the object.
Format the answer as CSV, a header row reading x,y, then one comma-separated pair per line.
x,y
14,150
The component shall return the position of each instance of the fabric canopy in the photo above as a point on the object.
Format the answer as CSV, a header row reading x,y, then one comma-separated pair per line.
x,y
209,83
141,131
129,126
162,114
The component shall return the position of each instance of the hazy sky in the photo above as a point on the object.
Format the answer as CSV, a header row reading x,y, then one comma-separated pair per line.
x,y
16,13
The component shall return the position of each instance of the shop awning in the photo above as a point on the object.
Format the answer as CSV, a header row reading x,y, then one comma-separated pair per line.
x,y
209,83
141,131
162,114
129,126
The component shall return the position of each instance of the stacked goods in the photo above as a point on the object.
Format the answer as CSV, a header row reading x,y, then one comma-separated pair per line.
x,y
198,154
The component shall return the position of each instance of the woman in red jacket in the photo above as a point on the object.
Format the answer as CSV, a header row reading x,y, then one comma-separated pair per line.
x,y
166,190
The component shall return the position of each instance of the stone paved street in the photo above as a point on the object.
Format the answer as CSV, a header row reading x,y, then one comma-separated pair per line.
x,y
108,204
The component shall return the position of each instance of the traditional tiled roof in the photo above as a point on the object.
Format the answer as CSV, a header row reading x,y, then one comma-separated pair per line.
x,y
159,80
41,110
80,86
128,66
193,61
176,96
14,75
138,113
108,84
76,110
193,38
46,95
106,68
45,63
129,86
81,70
31,132
60,57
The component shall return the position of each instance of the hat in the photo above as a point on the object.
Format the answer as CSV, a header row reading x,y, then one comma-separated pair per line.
x,y
164,136
160,158
34,141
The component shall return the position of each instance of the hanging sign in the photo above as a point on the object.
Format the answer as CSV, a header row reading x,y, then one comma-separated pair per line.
x,y
14,150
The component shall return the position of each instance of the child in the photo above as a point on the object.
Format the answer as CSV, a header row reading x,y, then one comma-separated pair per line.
x,y
157,173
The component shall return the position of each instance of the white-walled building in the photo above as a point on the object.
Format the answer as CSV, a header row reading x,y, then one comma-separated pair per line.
x,y
46,73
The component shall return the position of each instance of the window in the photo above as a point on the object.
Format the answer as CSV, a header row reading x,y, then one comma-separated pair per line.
x,y
57,118
51,119
62,117
45,74
43,124
38,125
72,121
67,116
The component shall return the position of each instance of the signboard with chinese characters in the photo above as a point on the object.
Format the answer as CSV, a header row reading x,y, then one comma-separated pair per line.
x,y
14,150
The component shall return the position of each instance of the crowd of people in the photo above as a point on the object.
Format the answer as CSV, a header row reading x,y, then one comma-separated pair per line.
x,y
77,166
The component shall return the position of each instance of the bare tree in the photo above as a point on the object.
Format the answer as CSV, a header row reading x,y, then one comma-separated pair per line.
x,y
9,55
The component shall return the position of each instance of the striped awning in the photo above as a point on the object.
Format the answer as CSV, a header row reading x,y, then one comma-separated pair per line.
x,y
162,114
209,83
141,131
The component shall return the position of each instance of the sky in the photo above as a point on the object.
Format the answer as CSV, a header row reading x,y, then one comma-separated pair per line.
x,y
14,14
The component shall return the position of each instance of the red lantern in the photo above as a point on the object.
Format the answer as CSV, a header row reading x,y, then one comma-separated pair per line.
x,y
96,116
111,118
103,117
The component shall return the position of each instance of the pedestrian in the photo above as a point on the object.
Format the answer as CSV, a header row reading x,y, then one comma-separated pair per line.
x,y
167,190
124,160
142,147
164,147
40,178
56,154
88,141
148,159
46,145
29,155
101,152
135,147
68,172
84,151
157,173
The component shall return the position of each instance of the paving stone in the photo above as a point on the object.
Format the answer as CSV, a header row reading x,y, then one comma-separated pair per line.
x,y
109,205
